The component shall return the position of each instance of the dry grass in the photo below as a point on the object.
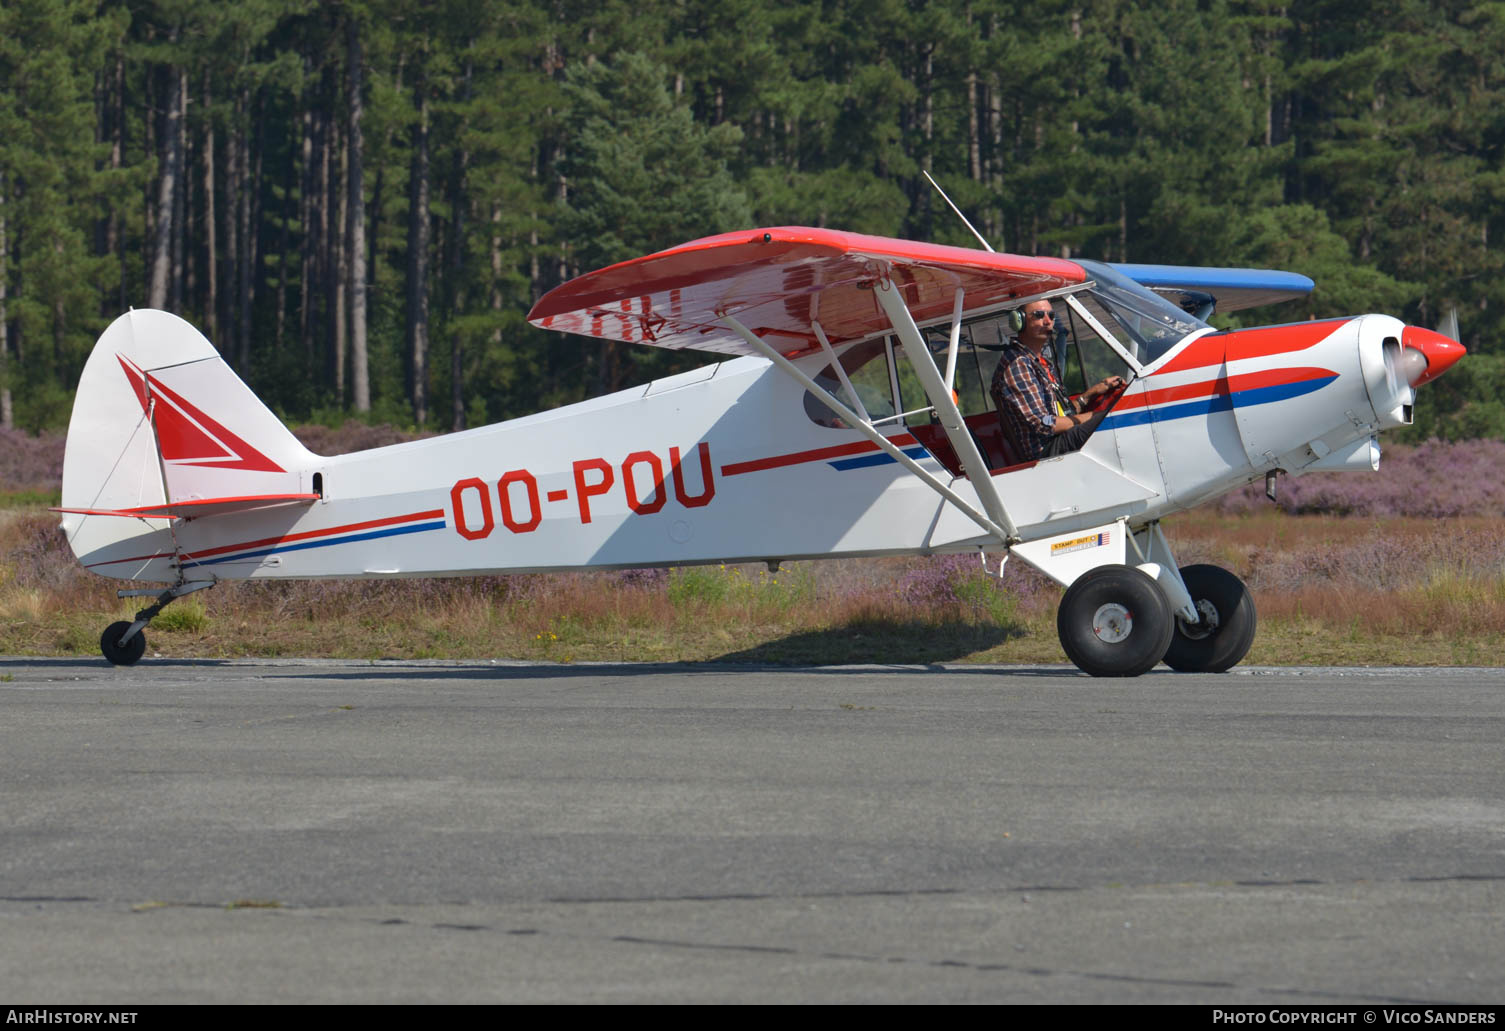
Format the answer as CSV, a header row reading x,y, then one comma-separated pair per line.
x,y
1329,590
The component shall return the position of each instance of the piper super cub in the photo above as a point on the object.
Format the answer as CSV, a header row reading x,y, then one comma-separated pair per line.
x,y
856,419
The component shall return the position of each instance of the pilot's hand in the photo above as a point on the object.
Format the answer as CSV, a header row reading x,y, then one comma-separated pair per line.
x,y
1110,384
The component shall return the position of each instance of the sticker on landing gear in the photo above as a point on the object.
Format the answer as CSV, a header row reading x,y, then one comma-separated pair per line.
x,y
1094,540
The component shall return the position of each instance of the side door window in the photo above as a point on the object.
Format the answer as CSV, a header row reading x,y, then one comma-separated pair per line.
x,y
866,365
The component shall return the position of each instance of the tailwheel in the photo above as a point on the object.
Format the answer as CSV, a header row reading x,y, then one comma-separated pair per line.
x,y
1114,621
129,651
1225,631
127,654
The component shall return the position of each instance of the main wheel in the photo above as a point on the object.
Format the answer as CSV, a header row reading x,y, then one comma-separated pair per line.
x,y
1226,630
127,654
1114,621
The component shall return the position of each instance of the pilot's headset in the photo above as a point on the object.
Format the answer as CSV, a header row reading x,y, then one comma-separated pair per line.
x,y
1017,320
1055,351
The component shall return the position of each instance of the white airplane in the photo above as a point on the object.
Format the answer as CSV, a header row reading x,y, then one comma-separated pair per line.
x,y
855,420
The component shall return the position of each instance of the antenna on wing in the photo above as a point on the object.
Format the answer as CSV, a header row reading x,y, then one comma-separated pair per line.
x,y
987,246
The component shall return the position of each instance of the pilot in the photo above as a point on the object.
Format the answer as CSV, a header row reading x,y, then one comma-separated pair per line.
x,y
1037,413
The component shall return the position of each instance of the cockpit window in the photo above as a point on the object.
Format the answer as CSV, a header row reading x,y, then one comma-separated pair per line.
x,y
866,365
1141,323
1149,324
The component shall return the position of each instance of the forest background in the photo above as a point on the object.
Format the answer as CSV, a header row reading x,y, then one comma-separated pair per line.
x,y
358,202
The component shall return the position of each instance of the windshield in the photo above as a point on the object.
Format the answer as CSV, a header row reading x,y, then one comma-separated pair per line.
x,y
1150,324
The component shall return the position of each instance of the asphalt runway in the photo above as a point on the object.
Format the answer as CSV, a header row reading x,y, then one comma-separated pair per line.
x,y
299,831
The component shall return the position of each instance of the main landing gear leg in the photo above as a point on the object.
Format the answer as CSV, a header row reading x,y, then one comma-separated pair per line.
x,y
1135,608
124,643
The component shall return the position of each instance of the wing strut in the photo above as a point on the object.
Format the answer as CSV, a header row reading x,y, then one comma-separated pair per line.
x,y
940,396
846,384
955,342
865,427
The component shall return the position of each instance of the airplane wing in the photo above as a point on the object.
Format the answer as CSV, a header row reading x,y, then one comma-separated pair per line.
x,y
1191,286
777,281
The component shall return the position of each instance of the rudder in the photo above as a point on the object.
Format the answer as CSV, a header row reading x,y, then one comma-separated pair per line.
x,y
142,436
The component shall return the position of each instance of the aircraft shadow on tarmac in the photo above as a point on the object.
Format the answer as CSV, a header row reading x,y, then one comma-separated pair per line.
x,y
888,641
866,648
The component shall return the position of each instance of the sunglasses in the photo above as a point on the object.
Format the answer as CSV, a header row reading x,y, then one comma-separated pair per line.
x,y
1041,316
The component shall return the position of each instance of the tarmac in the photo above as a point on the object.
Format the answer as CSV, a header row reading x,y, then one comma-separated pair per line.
x,y
318,831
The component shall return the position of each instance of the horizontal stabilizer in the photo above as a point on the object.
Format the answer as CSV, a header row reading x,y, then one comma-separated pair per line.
x,y
197,508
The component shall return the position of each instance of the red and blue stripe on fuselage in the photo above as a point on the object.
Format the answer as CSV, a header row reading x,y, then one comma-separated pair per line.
x,y
1220,372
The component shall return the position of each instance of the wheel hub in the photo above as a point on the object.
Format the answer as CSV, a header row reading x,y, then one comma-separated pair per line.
x,y
1206,624
1112,623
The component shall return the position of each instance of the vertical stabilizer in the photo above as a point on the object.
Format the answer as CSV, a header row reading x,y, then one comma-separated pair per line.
x,y
159,418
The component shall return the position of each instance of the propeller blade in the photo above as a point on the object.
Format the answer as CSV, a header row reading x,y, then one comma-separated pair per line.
x,y
1393,378
1449,327
1408,366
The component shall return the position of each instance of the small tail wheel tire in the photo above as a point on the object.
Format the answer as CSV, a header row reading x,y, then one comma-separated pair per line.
x,y
1221,638
1114,621
127,654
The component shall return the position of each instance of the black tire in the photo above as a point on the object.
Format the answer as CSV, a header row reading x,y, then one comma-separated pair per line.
x,y
127,654
1114,621
1228,622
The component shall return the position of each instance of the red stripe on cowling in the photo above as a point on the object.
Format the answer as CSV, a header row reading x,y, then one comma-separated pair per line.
x,y
1222,386
1251,343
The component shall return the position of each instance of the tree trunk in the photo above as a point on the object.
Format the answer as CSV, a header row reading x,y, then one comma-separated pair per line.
x,y
211,261
997,157
114,116
496,271
355,212
284,238
167,191
148,206
974,144
249,240
234,144
306,251
337,262
243,200
7,408
180,257
418,246
458,206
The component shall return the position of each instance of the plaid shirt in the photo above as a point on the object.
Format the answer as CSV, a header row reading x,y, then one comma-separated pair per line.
x,y
1025,389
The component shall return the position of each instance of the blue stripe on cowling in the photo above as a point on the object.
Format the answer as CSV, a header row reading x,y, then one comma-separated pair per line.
x,y
881,458
305,545
1219,403
1201,406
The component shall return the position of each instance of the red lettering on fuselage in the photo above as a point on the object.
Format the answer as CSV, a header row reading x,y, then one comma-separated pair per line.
x,y
518,493
629,483
530,487
585,491
707,482
457,502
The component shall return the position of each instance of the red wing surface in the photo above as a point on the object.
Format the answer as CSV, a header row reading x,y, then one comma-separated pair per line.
x,y
777,281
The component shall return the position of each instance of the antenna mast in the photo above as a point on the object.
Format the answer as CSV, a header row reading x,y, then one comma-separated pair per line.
x,y
987,246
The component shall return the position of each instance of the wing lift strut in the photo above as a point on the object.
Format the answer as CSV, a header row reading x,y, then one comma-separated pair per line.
x,y
994,517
